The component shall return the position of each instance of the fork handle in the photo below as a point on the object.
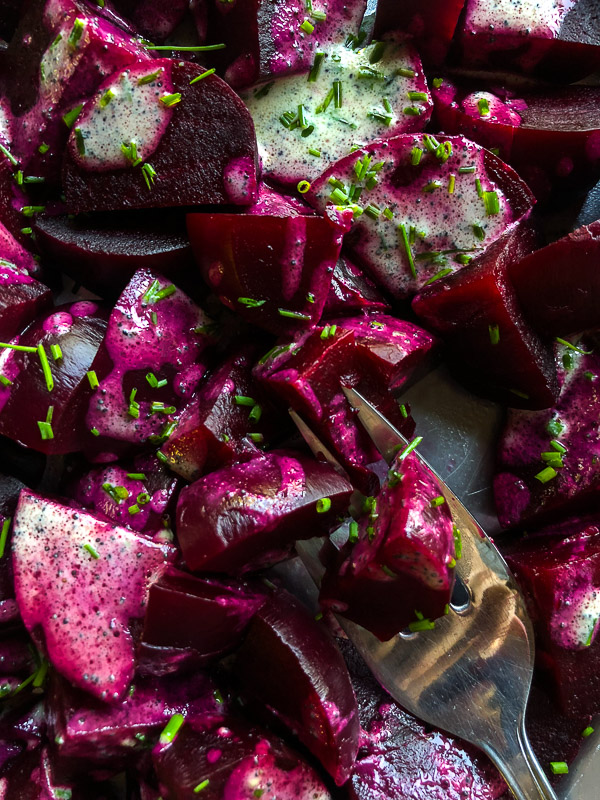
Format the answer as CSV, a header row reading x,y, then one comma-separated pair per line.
x,y
520,768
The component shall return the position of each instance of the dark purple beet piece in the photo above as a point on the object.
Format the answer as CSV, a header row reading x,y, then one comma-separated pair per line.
x,y
431,22
558,570
233,761
22,298
489,340
558,286
58,400
536,479
274,271
402,757
102,253
197,151
401,569
10,489
9,16
248,515
155,19
79,582
352,291
289,664
205,615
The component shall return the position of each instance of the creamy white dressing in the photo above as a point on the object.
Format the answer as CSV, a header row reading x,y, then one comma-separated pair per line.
x,y
60,60
361,118
541,18
573,625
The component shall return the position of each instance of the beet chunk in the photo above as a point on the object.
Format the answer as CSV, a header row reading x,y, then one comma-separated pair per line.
x,y
403,561
489,340
248,515
21,300
352,291
290,665
11,250
198,150
155,19
273,271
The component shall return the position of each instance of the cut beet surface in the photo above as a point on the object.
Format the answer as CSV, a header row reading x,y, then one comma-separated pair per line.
x,y
401,569
22,298
248,515
291,666
103,252
352,291
193,142
490,342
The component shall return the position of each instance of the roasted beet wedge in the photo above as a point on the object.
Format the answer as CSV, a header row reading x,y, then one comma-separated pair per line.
x,y
205,615
248,515
548,461
491,343
233,760
557,41
290,665
422,207
161,139
551,138
21,300
352,291
273,271
45,397
558,286
265,39
102,252
79,579
400,569
558,570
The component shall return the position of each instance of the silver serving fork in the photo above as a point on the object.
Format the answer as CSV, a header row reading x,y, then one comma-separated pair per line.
x,y
471,674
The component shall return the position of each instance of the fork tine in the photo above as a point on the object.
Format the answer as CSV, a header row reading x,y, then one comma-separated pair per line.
x,y
386,438
318,449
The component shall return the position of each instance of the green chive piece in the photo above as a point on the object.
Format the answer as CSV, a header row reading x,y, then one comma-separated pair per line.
x,y
337,94
465,170
307,26
319,16
93,379
323,106
149,78
143,498
94,431
244,400
438,276
417,95
403,410
55,351
262,92
372,211
404,72
134,509
76,32
457,542
546,475
573,347
39,677
451,184
5,381
293,315
313,152
494,333
353,532
203,75
134,406
257,438
323,505
410,447
130,153
371,73
483,106
431,186
171,729
10,156
91,550
136,476
437,501
377,116
303,187
43,148
80,141
4,535
201,786
250,302
415,156
149,174
479,231
45,367
46,431
556,445
18,176
407,248
491,203
108,95
29,211
377,51
421,625
255,414
33,179
21,348
169,100
27,231
559,767
437,82
205,48
162,457
587,732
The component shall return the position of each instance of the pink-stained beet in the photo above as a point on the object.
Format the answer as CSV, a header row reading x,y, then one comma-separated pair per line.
x,y
22,298
14,252
273,271
401,568
79,582
489,340
248,515
290,665
210,125
352,291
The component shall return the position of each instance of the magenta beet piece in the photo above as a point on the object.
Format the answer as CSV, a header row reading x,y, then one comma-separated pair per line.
x,y
551,138
431,22
489,340
79,582
21,300
233,761
352,290
248,515
549,461
265,39
205,615
427,205
11,250
558,570
226,421
51,387
397,751
274,271
557,286
102,253
291,665
154,340
273,203
556,41
400,571
155,19
195,140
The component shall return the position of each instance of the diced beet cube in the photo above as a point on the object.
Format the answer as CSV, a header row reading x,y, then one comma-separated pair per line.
x,y
489,340
549,461
274,271
402,564
290,665
15,253
422,206
31,776
44,400
273,203
295,149
248,515
265,39
558,570
79,582
154,340
205,615
168,141
352,290
233,760
21,300
431,22
155,19
558,286
103,253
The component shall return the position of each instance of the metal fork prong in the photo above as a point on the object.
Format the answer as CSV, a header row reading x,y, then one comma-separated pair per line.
x,y
384,435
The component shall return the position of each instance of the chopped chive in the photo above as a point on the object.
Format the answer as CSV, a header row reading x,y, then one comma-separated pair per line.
x,y
293,314
466,170
491,203
430,142
409,448
43,148
590,376
171,729
107,96
134,509
417,95
143,498
479,231
9,155
405,72
80,141
387,105
76,32
94,431
27,231
5,381
154,317
556,445
134,406
323,106
19,347
552,459
457,542
587,732
45,367
573,347
310,298
307,26
437,82
243,400
337,94
451,184
150,78
483,106
353,532
377,116
29,211
91,550
250,302
259,93
432,186
205,48
316,67
372,211
546,475
519,393
33,179
40,676
313,152
149,174
377,51
437,501
388,213
370,72
478,187
319,16
136,476
403,410
18,176
494,331
93,379
255,414
257,438
559,767
303,187
4,535
421,625
169,100
46,431
407,248
415,156
201,786
323,505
